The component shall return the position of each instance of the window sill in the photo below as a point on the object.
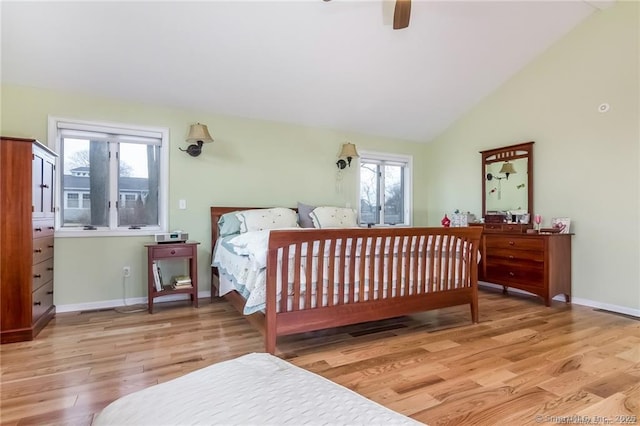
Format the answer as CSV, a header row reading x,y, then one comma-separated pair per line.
x,y
81,233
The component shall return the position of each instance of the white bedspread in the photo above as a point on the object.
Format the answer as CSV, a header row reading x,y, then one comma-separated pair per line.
x,y
255,389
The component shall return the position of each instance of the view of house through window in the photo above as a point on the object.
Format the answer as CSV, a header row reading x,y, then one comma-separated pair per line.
x,y
384,189
109,180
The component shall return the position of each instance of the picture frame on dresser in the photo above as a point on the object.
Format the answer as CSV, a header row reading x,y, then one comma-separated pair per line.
x,y
561,223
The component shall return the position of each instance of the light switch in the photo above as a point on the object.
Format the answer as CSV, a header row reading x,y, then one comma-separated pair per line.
x,y
182,204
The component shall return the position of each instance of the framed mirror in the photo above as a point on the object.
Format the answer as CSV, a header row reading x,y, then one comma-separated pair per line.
x,y
507,181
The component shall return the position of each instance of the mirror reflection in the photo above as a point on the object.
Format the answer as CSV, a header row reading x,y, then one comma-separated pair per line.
x,y
506,186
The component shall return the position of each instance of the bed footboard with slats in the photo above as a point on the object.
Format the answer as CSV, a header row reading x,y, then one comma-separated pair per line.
x,y
318,279
323,278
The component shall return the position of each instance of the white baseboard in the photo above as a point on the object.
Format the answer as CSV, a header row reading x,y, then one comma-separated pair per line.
x,y
576,300
108,304
606,306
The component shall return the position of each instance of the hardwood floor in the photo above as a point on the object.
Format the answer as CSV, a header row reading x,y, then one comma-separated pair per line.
x,y
523,364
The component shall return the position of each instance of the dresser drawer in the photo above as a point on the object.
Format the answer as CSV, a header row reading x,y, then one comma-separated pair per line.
x,y
173,251
42,227
42,249
41,273
41,300
515,272
513,242
511,254
517,228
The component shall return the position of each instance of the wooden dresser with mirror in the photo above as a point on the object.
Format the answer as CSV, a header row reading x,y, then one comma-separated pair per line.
x,y
513,253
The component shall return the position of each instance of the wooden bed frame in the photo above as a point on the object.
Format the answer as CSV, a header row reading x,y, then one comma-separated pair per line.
x,y
449,282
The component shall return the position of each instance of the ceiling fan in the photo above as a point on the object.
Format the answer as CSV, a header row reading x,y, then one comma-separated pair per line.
x,y
401,14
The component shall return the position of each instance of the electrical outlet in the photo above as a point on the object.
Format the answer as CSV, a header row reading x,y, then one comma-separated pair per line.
x,y
126,271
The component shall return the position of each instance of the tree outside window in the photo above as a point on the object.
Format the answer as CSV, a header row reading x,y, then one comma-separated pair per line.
x,y
384,193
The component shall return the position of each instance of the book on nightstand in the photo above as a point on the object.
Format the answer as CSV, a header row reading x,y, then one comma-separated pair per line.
x,y
157,277
181,281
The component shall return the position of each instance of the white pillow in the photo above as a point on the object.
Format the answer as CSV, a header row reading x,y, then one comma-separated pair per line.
x,y
333,217
259,219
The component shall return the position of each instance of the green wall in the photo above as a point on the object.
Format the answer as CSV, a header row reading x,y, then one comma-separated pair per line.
x,y
250,163
586,163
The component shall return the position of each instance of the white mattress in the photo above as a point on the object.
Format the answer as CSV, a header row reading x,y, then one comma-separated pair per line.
x,y
254,389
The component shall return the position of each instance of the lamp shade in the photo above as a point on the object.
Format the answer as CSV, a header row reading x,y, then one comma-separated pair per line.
x,y
507,168
348,150
199,132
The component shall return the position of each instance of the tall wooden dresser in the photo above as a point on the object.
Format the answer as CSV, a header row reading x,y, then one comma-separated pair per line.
x,y
27,177
536,263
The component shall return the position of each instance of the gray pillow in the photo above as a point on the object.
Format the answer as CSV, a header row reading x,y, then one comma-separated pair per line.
x,y
304,210
228,224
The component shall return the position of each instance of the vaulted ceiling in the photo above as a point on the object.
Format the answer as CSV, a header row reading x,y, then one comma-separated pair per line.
x,y
336,64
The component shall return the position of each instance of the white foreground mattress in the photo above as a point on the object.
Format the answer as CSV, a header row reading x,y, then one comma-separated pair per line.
x,y
254,389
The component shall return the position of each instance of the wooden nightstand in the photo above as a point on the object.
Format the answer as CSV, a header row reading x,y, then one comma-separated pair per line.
x,y
173,251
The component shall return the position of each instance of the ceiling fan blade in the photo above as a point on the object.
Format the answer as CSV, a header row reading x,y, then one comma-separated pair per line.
x,y
401,14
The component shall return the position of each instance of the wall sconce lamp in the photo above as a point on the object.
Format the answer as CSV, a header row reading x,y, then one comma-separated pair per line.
x,y
199,134
348,151
507,169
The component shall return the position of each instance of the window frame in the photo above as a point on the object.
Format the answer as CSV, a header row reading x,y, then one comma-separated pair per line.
x,y
383,157
113,229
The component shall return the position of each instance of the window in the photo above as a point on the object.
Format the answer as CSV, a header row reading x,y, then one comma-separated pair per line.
x,y
72,200
385,189
128,201
112,179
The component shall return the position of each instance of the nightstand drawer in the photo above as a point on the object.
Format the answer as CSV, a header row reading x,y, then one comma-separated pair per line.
x,y
173,251
514,242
